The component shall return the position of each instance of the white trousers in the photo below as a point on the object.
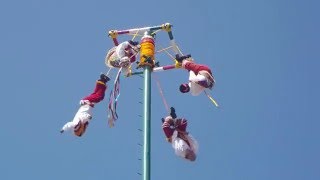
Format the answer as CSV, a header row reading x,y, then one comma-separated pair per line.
x,y
195,89
180,146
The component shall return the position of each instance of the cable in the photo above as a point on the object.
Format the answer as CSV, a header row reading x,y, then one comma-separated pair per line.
x,y
162,96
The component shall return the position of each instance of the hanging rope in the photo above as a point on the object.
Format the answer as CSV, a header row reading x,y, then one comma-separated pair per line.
x,y
211,98
109,71
179,50
162,95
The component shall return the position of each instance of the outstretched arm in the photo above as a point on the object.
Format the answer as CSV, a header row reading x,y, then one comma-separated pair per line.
x,y
68,126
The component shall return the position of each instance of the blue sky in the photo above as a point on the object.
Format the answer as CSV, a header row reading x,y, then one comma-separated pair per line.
x,y
264,56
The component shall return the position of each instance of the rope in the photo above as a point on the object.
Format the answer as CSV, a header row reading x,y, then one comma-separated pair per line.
x,y
162,95
109,71
155,32
135,35
165,50
179,49
211,98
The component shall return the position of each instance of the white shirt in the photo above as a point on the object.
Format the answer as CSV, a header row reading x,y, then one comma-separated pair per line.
x,y
180,146
121,49
195,88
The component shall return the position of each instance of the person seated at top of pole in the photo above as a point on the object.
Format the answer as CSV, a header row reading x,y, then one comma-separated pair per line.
x,y
122,55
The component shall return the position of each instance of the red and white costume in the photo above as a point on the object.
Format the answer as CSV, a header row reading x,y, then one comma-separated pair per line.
x,y
126,53
84,114
122,56
181,140
200,77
